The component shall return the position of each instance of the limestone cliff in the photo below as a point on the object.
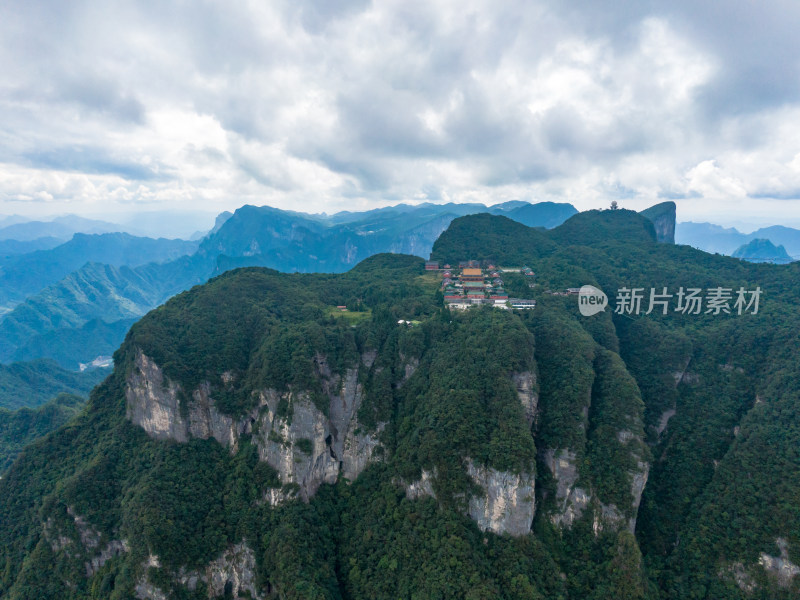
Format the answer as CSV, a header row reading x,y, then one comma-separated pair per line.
x,y
234,573
663,217
528,394
508,502
304,444
571,500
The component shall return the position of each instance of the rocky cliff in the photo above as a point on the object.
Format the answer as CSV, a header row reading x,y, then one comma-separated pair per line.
x,y
305,445
663,217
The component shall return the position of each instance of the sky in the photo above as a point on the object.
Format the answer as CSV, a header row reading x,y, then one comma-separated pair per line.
x,y
114,108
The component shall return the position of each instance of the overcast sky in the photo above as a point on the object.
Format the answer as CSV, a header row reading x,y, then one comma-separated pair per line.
x,y
111,107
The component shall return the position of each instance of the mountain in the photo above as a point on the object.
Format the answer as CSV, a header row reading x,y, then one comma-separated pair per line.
x,y
663,218
24,426
95,292
713,238
6,220
29,273
30,384
254,440
762,250
72,346
60,227
542,214
53,320
218,222
780,236
9,248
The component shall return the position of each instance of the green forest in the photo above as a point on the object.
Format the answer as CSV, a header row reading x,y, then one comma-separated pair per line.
x,y
534,454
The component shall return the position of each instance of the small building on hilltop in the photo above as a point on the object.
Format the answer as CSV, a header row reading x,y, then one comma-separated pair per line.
x,y
521,303
432,265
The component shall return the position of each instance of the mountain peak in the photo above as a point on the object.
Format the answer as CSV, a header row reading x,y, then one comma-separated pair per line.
x,y
663,218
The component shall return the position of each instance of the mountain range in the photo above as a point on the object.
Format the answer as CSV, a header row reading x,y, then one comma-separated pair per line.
x,y
722,240
26,274
254,440
52,322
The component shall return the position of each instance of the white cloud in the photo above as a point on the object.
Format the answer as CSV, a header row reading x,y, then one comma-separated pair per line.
x,y
354,103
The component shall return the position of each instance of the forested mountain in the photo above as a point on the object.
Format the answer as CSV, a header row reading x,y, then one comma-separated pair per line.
x,y
34,383
713,238
26,425
762,250
256,441
102,297
29,273
542,214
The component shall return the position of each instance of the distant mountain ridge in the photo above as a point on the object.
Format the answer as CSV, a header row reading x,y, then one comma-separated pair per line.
x,y
29,273
722,240
60,227
53,319
31,384
762,251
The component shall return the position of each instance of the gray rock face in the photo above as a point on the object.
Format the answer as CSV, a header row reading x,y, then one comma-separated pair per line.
x,y
507,504
153,403
87,545
780,567
280,442
306,446
663,219
113,549
509,501
422,487
234,570
528,394
571,501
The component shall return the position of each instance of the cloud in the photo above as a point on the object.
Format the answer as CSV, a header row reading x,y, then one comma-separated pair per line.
x,y
350,102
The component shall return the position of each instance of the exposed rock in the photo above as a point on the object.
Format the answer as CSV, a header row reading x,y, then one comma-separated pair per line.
x,y
637,487
624,435
144,590
570,500
337,442
279,437
206,422
277,496
368,358
57,540
89,536
664,420
422,487
111,550
153,403
508,503
410,366
526,390
741,577
663,218
359,449
234,570
780,567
